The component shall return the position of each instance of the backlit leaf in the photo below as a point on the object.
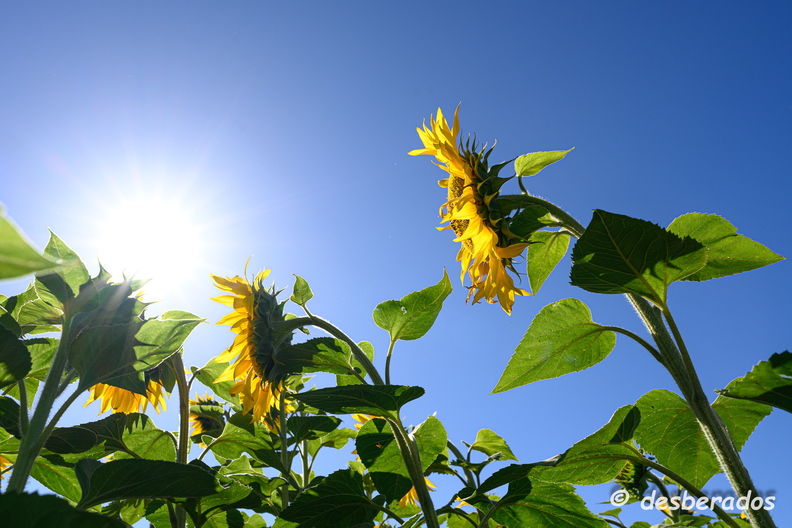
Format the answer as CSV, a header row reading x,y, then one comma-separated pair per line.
x,y
769,382
413,315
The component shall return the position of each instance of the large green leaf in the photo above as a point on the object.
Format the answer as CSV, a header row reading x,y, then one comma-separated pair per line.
x,y
379,452
209,373
589,461
57,475
619,254
548,506
311,427
561,339
101,353
544,254
769,382
413,315
530,219
242,435
530,164
141,479
728,252
339,500
33,314
15,361
321,354
376,400
131,435
17,256
669,430
48,511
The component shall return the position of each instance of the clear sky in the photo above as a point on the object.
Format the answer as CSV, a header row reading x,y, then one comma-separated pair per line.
x,y
281,131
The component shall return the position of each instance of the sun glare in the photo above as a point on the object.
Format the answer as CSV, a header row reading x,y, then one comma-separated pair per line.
x,y
151,238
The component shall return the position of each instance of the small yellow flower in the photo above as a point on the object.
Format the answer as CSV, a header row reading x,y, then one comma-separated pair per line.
x,y
4,463
252,355
122,400
486,253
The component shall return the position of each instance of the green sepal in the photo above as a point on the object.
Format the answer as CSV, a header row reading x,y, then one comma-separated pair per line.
x,y
561,339
375,400
412,316
17,255
620,254
769,382
728,253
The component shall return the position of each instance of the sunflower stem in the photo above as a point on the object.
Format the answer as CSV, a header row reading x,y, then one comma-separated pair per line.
x,y
412,459
336,332
184,425
28,450
284,454
24,420
388,362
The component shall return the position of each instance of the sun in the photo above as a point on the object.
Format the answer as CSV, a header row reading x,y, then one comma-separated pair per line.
x,y
150,236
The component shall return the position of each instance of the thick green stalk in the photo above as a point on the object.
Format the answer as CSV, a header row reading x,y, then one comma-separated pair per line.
x,y
30,445
677,361
184,426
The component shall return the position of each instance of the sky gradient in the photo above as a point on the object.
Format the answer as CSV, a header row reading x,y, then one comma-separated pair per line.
x,y
280,132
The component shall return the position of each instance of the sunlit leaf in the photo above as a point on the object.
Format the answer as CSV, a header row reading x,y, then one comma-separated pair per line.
x,y
549,506
301,293
619,254
65,282
413,315
531,164
728,252
17,256
489,443
669,431
544,254
561,339
769,382
15,361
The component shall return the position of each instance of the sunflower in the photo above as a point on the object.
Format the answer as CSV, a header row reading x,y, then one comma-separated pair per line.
x,y
473,187
206,415
122,400
252,365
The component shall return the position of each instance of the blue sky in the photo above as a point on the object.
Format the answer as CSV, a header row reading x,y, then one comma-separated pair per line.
x,y
281,131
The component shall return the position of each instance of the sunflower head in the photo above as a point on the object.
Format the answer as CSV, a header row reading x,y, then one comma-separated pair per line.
x,y
159,381
207,416
472,211
253,357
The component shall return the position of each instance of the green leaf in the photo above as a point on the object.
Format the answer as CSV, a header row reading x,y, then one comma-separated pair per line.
x,y
48,511
301,293
549,506
65,283
17,256
311,427
321,354
671,433
339,500
379,452
66,440
561,339
32,314
132,435
413,315
375,400
489,443
242,435
431,439
141,479
586,462
57,475
531,164
209,373
350,379
729,253
769,382
15,361
529,220
544,254
619,254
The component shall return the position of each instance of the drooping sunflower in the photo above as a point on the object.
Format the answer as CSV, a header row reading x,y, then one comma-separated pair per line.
x,y
473,187
252,356
122,400
206,415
